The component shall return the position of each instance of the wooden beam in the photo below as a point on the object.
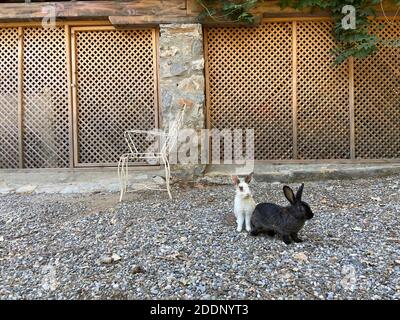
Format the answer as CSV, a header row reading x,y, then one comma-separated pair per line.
x,y
304,16
267,7
35,11
294,15
211,22
272,9
125,22
90,9
59,23
193,8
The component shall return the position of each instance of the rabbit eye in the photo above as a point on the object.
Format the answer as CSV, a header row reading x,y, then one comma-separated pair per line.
x,y
241,188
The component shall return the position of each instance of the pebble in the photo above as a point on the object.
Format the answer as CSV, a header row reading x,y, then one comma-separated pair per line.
x,y
106,259
115,257
137,269
154,291
301,256
184,247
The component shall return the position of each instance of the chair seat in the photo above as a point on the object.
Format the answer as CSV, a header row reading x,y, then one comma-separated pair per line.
x,y
142,156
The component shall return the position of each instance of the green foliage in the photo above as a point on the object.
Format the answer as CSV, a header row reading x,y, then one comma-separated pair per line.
x,y
236,11
358,42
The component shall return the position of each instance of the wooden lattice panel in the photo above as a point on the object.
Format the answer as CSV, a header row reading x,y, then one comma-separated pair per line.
x,y
9,98
250,84
46,120
115,90
323,115
377,99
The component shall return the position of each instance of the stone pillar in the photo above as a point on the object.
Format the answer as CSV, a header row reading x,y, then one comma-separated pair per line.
x,y
182,81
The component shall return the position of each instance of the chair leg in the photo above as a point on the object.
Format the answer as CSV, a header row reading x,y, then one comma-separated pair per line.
x,y
126,175
167,176
121,175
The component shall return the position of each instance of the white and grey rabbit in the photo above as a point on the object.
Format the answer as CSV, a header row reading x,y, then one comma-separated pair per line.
x,y
244,203
287,221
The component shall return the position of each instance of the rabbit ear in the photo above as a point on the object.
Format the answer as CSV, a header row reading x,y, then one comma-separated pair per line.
x,y
235,179
299,192
248,178
289,194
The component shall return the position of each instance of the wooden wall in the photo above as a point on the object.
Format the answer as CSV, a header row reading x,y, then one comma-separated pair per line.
x,y
144,11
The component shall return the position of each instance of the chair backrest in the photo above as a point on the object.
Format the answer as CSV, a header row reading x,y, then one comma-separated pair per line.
x,y
173,132
168,139
130,140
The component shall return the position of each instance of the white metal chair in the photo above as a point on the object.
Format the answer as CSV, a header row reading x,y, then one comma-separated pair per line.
x,y
165,142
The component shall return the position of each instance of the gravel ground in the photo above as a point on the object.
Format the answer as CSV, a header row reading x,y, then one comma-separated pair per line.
x,y
92,247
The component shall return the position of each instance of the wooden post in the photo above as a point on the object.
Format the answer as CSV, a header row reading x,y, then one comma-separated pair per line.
x,y
70,107
351,109
294,88
21,95
207,91
157,91
74,97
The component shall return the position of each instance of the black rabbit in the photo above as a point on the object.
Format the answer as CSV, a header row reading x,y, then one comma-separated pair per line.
x,y
286,221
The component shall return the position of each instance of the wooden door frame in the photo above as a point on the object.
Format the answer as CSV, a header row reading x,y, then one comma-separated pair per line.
x,y
74,130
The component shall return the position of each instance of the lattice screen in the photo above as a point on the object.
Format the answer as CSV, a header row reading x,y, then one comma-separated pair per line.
x,y
46,123
250,84
322,95
9,98
115,89
377,99
250,87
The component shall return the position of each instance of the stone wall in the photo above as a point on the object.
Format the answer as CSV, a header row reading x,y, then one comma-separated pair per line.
x,y
182,82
